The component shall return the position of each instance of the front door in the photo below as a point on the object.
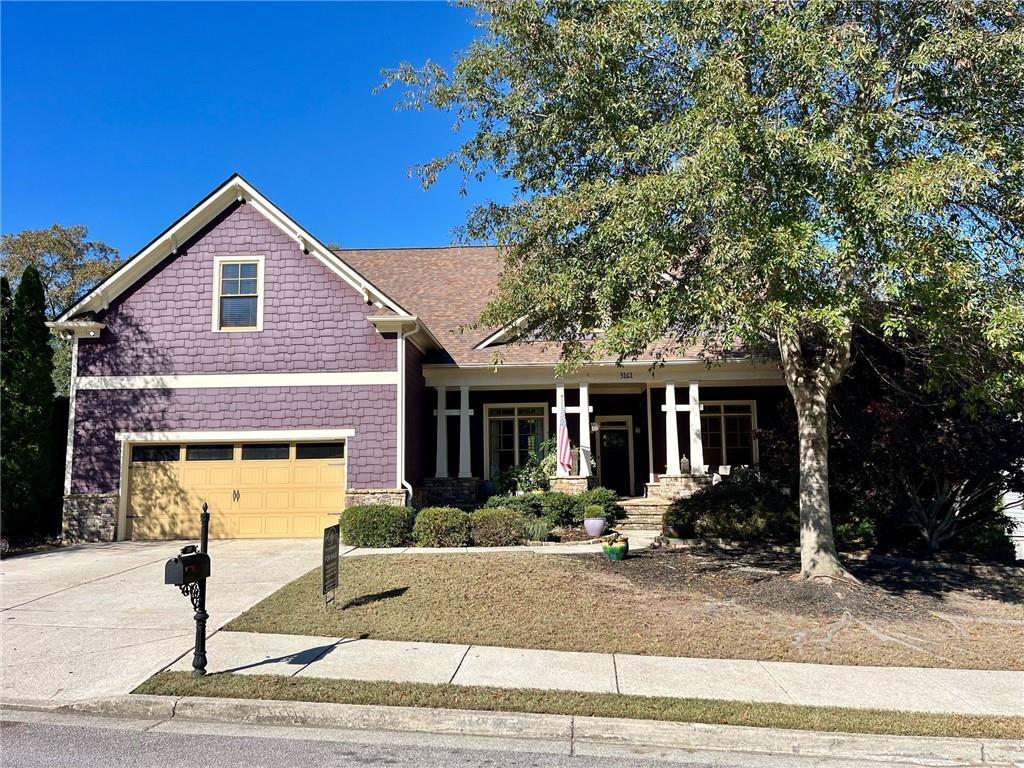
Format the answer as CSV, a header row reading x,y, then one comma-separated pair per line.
x,y
615,457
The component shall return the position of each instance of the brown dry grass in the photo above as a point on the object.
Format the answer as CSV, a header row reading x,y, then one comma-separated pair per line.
x,y
703,604
274,687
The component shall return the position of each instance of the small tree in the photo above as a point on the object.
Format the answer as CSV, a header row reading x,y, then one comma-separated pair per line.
x,y
68,264
755,176
28,411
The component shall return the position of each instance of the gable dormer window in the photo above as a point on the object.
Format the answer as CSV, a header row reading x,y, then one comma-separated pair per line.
x,y
238,294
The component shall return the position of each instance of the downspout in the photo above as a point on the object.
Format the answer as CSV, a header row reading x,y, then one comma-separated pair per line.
x,y
402,482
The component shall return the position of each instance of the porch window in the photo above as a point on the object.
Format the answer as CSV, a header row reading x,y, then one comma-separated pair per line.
x,y
514,433
727,433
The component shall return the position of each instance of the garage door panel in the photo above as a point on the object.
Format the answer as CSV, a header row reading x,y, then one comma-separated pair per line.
x,y
247,498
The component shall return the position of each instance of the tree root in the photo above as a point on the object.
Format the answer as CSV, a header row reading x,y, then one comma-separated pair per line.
x,y
824,636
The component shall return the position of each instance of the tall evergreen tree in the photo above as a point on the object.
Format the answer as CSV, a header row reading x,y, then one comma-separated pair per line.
x,y
28,409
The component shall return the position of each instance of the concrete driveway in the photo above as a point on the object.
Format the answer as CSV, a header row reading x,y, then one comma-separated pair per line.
x,y
96,619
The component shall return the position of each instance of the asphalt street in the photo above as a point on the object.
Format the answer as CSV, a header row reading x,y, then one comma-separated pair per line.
x,y
54,740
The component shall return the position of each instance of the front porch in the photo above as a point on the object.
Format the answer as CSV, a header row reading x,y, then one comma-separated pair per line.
x,y
631,430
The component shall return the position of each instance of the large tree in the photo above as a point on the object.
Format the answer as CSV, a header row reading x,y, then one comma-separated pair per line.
x,y
757,175
26,431
68,264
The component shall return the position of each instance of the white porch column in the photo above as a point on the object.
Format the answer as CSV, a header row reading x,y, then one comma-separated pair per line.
x,y
584,430
560,411
650,438
671,431
696,446
441,467
465,468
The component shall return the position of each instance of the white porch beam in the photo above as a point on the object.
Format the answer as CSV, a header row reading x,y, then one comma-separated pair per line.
x,y
465,467
441,466
696,446
671,431
584,411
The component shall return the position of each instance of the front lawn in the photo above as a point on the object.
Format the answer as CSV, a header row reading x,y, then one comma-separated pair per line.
x,y
671,603
274,687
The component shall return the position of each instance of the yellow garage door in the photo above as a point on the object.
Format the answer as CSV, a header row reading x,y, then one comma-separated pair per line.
x,y
254,490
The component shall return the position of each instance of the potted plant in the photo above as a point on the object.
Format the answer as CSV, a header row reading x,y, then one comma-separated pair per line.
x,y
616,547
593,520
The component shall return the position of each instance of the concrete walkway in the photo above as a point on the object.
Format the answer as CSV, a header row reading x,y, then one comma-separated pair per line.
x,y
969,692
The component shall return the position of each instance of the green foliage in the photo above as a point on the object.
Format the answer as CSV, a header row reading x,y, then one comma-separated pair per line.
x,y
606,499
25,433
741,508
539,528
527,504
496,527
593,510
563,509
376,525
531,476
68,264
989,540
761,176
441,527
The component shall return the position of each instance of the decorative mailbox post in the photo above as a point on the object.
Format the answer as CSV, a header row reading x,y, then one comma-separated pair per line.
x,y
188,572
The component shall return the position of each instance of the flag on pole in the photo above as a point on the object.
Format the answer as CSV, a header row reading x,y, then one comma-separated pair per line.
x,y
564,449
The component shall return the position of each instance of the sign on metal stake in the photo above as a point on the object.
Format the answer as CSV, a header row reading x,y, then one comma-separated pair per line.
x,y
329,571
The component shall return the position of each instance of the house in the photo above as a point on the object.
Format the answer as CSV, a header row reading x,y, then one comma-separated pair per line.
x,y
236,360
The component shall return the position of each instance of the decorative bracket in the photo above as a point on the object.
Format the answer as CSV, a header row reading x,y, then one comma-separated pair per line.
x,y
191,591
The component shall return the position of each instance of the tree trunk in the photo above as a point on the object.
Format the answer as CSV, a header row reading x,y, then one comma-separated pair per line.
x,y
817,544
810,386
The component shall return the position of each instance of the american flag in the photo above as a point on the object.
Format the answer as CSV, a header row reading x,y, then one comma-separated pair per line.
x,y
564,449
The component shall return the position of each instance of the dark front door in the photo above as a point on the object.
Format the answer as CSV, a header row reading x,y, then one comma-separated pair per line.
x,y
615,459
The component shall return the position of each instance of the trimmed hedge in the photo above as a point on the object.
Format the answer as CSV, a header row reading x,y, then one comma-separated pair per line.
x,y
376,525
563,509
604,498
526,504
441,527
741,508
497,527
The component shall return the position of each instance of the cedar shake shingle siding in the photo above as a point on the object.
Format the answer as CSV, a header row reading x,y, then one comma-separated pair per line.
x,y
312,319
369,410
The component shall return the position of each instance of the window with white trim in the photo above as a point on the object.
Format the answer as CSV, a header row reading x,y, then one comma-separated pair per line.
x,y
727,433
514,433
238,294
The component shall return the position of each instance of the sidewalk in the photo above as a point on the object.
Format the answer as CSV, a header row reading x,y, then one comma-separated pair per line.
x,y
638,539
951,691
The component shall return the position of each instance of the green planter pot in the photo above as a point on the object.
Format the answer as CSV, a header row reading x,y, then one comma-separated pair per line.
x,y
616,551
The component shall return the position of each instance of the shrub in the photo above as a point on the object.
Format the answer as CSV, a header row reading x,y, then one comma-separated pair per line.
x,y
539,528
376,525
527,504
563,509
441,527
742,508
497,527
604,498
593,510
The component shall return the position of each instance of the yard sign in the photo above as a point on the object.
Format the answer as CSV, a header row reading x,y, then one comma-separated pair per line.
x,y
329,573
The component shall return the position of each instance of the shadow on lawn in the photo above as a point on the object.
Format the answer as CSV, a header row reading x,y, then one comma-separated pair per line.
x,y
376,597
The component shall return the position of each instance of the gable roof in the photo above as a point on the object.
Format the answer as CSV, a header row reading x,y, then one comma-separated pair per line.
x,y
235,188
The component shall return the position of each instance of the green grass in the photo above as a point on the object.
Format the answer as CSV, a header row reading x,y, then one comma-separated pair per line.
x,y
583,704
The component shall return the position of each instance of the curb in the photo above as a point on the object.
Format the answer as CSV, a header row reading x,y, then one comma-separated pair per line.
x,y
582,735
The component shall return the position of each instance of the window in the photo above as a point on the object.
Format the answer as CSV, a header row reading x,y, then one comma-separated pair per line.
x,y
319,450
514,433
239,304
141,453
209,452
263,451
727,433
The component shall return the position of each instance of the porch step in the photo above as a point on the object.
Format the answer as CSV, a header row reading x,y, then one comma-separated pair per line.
x,y
643,513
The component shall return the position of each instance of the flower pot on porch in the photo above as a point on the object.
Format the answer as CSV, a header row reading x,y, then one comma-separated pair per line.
x,y
617,549
594,526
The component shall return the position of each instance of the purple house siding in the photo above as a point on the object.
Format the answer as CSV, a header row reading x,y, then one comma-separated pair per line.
x,y
369,410
415,405
312,319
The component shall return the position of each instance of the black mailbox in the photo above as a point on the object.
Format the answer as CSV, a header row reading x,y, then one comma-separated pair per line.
x,y
188,567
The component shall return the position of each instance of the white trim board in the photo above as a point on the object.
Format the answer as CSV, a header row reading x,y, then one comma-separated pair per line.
x,y
234,189
228,380
250,435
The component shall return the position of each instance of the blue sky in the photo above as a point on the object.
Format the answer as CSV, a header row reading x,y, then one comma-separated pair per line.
x,y
120,116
